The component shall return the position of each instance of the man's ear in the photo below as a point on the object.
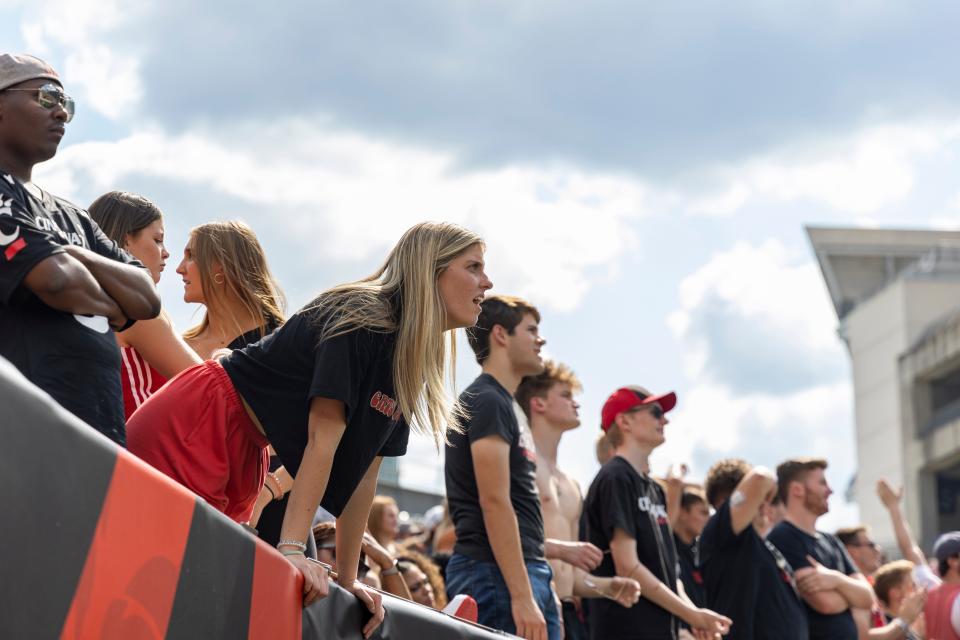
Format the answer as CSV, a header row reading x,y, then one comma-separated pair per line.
x,y
537,405
499,335
796,488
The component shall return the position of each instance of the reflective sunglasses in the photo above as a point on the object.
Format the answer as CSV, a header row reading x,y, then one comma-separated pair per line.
x,y
50,96
655,410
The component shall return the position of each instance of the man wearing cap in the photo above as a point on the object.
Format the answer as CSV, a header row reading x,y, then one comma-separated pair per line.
x,y
626,515
942,612
63,284
547,401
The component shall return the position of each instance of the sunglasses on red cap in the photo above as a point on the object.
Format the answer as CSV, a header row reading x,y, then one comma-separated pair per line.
x,y
654,410
626,399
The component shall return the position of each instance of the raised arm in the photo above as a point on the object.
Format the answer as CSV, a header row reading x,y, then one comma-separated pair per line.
x,y
673,490
908,545
130,286
755,487
491,464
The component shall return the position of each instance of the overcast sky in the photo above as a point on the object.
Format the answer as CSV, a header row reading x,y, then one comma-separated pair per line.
x,y
642,173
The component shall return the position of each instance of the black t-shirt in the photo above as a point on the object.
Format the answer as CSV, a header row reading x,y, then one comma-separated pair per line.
x,y
279,376
621,498
795,545
73,358
490,410
251,337
750,582
687,555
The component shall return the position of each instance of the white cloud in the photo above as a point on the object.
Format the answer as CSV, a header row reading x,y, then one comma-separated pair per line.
x,y
765,293
101,71
553,231
858,173
777,305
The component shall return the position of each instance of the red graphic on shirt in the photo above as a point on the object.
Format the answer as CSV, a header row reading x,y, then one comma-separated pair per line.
x,y
14,248
385,405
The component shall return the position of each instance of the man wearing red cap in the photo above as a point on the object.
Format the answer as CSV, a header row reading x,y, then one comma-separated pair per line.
x,y
63,284
626,516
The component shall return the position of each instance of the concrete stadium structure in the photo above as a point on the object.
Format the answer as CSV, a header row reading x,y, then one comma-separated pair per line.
x,y
897,298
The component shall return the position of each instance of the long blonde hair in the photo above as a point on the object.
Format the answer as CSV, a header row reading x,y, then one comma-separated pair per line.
x,y
234,245
402,297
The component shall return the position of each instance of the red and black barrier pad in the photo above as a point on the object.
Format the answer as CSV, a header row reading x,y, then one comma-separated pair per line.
x,y
97,544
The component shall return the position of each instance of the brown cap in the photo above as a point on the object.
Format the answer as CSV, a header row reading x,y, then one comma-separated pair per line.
x,y
17,68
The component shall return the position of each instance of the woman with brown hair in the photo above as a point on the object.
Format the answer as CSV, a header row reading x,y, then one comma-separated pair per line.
x,y
384,522
151,351
225,269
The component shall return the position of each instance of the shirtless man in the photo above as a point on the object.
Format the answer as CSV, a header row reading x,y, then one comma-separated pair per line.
x,y
547,401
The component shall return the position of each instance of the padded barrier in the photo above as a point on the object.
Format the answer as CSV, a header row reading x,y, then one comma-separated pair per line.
x,y
97,544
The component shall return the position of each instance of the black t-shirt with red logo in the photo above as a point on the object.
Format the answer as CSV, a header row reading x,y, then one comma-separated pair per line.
x,y
750,582
690,571
73,358
491,411
621,498
279,375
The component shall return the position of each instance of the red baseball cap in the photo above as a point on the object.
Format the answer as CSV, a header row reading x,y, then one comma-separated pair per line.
x,y
626,398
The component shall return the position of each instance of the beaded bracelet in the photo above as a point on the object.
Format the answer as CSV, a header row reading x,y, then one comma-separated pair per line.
x,y
292,543
276,479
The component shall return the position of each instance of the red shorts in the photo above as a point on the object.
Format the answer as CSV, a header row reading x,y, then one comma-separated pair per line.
x,y
196,431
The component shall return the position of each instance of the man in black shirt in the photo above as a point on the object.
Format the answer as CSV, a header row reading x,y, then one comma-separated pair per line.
x,y
63,284
746,578
826,577
691,519
626,514
500,555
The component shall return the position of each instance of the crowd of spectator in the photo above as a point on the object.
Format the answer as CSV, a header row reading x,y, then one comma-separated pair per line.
x,y
281,423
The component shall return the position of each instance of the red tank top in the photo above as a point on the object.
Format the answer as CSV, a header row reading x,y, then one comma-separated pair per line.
x,y
937,612
138,378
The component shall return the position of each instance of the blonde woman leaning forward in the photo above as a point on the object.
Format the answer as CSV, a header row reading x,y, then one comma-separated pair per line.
x,y
333,390
151,351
